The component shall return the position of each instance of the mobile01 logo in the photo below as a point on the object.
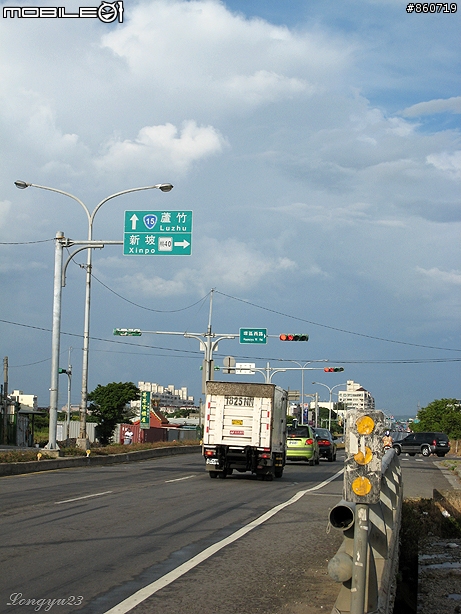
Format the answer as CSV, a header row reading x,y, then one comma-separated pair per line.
x,y
107,12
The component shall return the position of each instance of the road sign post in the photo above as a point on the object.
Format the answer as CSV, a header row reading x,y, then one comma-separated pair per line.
x,y
157,233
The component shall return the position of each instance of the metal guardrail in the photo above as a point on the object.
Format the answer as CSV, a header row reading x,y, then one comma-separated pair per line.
x,y
366,562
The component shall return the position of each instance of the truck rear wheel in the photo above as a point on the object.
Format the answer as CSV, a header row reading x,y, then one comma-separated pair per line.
x,y
213,474
278,472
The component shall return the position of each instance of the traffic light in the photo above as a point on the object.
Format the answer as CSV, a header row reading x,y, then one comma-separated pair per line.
x,y
290,337
62,371
333,369
364,452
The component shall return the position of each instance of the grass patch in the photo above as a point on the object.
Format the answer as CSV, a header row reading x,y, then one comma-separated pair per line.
x,y
22,456
19,456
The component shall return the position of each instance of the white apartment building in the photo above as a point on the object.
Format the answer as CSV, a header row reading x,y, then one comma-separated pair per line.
x,y
168,397
356,397
26,400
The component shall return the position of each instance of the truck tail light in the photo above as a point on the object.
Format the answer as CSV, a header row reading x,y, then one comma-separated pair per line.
x,y
209,452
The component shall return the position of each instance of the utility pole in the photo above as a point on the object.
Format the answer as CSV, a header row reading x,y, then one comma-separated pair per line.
x,y
208,342
5,400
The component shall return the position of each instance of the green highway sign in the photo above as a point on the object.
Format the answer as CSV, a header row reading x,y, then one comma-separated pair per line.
x,y
127,332
157,233
253,335
144,422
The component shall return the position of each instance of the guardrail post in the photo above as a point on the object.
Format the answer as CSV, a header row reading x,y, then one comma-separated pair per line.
x,y
360,560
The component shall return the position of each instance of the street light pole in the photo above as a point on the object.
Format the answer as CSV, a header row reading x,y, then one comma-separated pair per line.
x,y
55,340
302,381
331,396
164,187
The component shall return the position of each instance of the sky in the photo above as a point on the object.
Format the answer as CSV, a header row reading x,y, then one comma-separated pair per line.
x,y
317,145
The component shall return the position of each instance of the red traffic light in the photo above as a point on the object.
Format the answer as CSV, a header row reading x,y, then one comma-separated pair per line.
x,y
286,337
333,369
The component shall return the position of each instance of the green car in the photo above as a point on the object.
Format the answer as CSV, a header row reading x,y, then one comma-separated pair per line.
x,y
302,444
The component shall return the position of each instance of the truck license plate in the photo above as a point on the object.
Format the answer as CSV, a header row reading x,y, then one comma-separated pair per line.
x,y
212,461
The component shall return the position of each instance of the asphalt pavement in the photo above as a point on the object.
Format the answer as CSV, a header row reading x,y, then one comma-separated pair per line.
x,y
105,533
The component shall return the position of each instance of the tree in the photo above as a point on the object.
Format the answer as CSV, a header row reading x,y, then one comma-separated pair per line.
x,y
324,419
110,406
442,415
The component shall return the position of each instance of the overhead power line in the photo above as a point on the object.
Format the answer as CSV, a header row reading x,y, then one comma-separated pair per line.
x,y
181,353
150,308
25,242
340,330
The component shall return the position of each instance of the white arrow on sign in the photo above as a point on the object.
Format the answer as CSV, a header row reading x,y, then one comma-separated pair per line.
x,y
133,219
183,243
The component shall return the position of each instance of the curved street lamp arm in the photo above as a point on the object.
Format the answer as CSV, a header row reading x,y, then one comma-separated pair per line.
x,y
164,187
23,184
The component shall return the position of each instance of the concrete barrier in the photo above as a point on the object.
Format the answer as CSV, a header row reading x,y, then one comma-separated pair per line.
x,y
68,462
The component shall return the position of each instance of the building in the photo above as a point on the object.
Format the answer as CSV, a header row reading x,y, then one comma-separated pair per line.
x,y
168,397
21,410
25,400
356,397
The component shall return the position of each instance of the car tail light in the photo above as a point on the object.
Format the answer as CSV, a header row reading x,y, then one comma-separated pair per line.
x,y
324,442
434,443
309,442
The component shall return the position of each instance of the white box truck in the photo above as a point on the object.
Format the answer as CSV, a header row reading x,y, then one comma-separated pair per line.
x,y
244,429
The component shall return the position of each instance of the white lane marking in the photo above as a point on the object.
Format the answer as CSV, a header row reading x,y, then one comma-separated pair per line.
x,y
97,494
144,593
188,477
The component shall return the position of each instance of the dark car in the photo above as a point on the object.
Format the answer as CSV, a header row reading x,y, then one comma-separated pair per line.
x,y
423,443
327,446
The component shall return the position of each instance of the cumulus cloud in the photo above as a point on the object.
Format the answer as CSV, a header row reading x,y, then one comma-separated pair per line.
x,y
431,107
452,277
446,162
162,146
264,86
221,60
31,116
229,263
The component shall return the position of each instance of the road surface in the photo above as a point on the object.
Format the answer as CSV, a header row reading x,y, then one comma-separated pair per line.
x,y
94,537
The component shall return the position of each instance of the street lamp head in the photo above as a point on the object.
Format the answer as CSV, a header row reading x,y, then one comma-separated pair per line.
x,y
165,187
22,185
